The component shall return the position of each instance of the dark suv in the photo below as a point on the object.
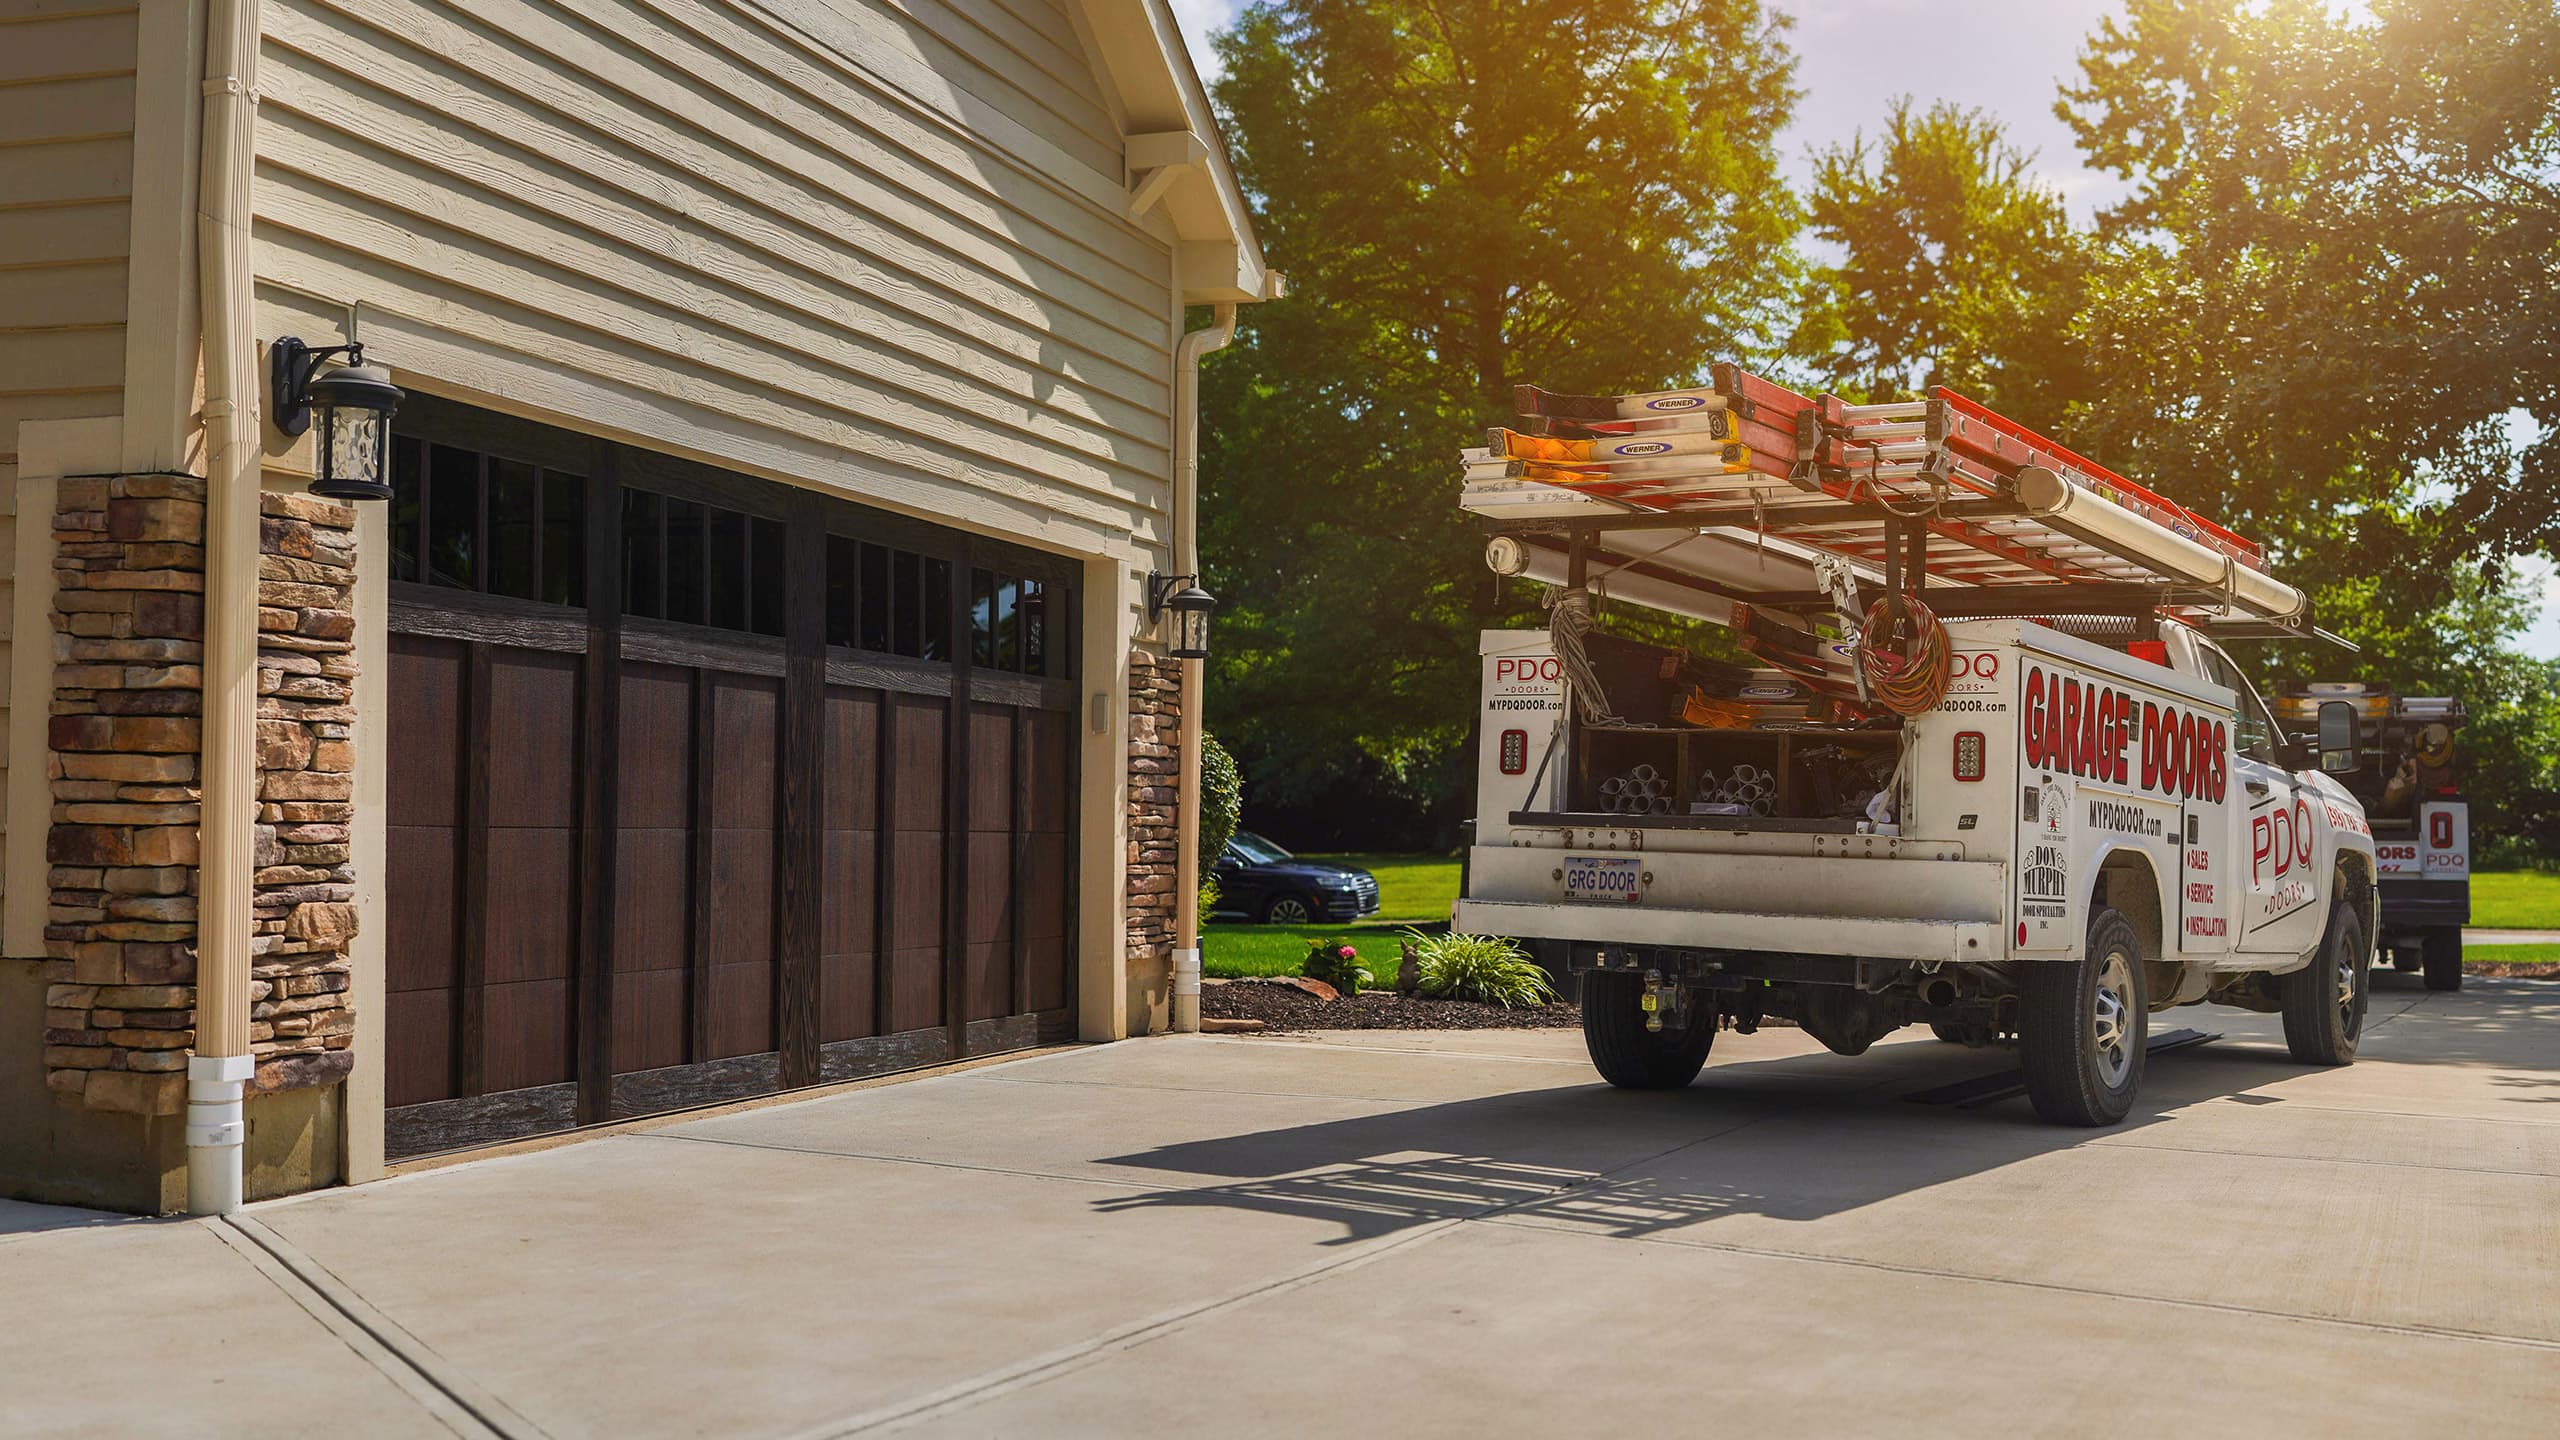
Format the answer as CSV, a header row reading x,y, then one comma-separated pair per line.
x,y
1258,880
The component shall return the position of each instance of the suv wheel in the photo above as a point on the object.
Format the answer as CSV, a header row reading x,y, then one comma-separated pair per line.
x,y
2084,1026
1287,909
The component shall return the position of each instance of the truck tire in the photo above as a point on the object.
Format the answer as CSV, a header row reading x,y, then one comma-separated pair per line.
x,y
2083,1026
2444,957
1628,1055
2324,1001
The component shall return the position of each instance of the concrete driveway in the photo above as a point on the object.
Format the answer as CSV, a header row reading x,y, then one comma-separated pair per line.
x,y
1400,1234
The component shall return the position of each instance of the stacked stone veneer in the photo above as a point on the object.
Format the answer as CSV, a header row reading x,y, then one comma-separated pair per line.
x,y
126,731
1155,778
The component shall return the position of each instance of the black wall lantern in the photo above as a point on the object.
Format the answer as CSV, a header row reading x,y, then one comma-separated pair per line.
x,y
353,404
1190,605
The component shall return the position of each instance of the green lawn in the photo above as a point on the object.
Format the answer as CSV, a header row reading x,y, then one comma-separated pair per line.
x,y
2511,954
1412,890
2515,900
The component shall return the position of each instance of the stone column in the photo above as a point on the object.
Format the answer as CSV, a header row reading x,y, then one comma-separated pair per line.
x,y
1155,770
124,732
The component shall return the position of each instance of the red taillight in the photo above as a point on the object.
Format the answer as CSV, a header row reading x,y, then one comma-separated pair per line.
x,y
2022,934
1515,752
1969,753
2155,651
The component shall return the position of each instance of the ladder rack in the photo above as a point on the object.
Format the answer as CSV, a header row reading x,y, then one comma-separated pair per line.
x,y
1939,492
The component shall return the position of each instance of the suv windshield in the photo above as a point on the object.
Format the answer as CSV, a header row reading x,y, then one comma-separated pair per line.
x,y
1255,850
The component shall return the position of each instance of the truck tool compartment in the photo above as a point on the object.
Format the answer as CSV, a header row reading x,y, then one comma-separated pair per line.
x,y
1979,762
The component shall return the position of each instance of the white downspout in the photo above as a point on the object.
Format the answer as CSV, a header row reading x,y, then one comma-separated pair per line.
x,y
222,1062
1185,1005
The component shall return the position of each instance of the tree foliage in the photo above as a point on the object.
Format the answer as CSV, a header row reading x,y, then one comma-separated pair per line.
x,y
1956,268
2337,282
1467,194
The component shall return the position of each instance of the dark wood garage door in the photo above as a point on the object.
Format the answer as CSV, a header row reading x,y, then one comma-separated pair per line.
x,y
703,788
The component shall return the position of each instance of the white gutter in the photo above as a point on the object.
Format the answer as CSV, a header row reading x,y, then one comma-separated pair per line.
x,y
1185,1004
222,1061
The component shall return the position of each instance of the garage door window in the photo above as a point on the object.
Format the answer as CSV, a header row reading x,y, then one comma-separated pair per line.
x,y
462,520
1008,623
888,601
700,564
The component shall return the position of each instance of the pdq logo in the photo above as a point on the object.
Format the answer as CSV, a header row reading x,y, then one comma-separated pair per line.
x,y
1645,447
1675,402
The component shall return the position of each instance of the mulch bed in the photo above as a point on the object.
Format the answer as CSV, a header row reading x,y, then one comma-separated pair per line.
x,y
1280,1007
2516,970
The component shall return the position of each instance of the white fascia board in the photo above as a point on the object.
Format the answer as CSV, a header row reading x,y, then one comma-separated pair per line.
x,y
1160,92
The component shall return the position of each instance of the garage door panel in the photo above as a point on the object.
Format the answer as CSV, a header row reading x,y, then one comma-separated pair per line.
x,y
652,916
420,1061
528,1035
847,992
915,988
847,903
990,767
915,901
743,712
649,1027
531,928
1052,775
741,1017
853,759
421,907
533,738
989,970
656,747
424,730
1045,905
1048,972
741,896
990,887
916,738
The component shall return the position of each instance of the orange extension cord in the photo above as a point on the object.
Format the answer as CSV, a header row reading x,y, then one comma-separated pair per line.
x,y
1911,682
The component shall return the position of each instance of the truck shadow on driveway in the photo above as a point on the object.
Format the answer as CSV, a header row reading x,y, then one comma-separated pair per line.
x,y
1798,1138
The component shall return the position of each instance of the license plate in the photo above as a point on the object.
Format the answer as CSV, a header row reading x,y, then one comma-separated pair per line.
x,y
1604,877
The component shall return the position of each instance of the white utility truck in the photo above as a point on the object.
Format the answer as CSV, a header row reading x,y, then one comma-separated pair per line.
x,y
2024,793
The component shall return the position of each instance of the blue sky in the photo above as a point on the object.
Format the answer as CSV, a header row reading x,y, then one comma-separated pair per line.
x,y
2002,56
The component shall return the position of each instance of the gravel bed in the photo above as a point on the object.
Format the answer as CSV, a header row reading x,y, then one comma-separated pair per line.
x,y
1283,1008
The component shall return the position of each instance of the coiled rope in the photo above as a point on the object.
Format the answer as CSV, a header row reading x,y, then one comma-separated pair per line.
x,y
1568,620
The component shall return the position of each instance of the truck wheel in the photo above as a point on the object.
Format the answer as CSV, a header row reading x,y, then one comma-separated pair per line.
x,y
2083,1026
2444,957
1628,1055
2324,1001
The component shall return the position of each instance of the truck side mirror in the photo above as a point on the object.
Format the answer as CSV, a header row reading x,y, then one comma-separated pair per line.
x,y
2341,738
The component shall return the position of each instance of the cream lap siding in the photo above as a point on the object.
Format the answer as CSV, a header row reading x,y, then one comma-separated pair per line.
x,y
66,187
876,243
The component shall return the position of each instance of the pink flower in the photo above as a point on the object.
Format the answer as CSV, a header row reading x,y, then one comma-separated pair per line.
x,y
1346,952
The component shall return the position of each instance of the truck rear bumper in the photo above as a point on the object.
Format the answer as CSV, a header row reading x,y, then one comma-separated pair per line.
x,y
2424,904
1945,941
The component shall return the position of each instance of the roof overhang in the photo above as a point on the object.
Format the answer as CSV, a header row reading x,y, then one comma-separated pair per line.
x,y
1177,158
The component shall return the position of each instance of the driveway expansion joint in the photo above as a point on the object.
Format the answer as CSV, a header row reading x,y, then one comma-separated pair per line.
x,y
455,1400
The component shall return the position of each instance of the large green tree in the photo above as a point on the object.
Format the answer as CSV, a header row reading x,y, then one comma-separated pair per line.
x,y
1467,194
2337,282
1954,267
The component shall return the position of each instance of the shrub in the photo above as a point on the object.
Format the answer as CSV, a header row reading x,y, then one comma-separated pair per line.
x,y
1487,969
1221,798
1336,964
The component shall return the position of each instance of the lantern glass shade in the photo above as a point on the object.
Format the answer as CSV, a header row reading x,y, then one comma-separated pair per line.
x,y
1190,608
352,407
